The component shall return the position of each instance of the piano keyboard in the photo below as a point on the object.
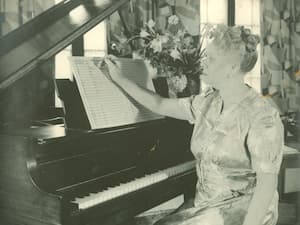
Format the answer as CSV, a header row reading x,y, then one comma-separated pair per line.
x,y
131,186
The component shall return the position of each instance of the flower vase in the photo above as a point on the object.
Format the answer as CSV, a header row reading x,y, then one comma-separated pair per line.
x,y
161,86
165,88
192,87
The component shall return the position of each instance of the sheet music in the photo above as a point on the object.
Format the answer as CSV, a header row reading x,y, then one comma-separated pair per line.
x,y
106,104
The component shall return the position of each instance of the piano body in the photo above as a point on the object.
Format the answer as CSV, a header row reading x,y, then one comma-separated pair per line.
x,y
52,175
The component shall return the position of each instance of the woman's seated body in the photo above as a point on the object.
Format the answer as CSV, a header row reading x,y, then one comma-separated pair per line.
x,y
237,139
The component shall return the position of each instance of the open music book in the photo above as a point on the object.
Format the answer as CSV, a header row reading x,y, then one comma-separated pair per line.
x,y
105,103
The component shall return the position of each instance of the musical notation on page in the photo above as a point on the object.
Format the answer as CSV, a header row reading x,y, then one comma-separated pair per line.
x,y
105,103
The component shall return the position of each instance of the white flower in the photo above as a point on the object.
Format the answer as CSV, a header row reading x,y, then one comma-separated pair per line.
x,y
176,39
178,82
173,20
144,33
151,23
164,39
156,45
175,54
180,33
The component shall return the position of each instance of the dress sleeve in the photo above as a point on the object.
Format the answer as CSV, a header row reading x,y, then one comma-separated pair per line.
x,y
195,105
265,142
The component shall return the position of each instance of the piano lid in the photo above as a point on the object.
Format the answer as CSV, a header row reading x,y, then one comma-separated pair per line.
x,y
54,133
44,36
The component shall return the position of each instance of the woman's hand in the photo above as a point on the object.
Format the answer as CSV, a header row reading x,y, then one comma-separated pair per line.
x,y
114,69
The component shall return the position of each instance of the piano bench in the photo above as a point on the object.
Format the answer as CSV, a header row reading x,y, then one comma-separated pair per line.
x,y
287,214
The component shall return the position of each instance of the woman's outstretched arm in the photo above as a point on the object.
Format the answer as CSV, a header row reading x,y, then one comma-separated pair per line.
x,y
152,101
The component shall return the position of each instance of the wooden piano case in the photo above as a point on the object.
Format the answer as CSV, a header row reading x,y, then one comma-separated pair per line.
x,y
44,169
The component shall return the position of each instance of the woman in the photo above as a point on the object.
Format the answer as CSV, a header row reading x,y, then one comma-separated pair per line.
x,y
237,138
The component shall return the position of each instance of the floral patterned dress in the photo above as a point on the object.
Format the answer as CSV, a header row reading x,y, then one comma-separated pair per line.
x,y
229,149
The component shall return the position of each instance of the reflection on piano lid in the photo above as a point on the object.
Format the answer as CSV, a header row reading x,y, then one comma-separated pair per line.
x,y
28,47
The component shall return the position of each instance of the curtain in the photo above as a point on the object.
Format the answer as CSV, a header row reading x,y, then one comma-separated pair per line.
x,y
280,29
134,15
14,13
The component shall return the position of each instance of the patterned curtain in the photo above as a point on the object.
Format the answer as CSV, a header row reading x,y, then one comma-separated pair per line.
x,y
280,29
134,15
14,13
188,11
138,12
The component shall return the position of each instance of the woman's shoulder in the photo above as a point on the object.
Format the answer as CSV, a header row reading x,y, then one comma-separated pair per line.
x,y
261,110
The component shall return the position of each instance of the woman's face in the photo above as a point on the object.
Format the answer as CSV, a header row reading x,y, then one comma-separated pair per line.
x,y
217,65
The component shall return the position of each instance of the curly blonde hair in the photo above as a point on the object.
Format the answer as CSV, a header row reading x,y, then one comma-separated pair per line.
x,y
236,38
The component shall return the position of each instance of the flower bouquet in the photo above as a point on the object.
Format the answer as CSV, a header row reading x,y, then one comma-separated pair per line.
x,y
173,53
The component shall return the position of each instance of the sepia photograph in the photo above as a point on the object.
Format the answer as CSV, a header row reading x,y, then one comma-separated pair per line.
x,y
149,112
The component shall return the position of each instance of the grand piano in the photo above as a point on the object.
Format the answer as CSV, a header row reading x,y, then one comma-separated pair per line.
x,y
53,175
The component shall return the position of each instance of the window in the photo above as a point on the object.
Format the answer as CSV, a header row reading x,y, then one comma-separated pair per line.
x,y
62,66
95,44
247,13
212,12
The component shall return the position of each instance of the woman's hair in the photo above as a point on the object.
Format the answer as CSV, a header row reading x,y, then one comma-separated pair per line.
x,y
236,38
